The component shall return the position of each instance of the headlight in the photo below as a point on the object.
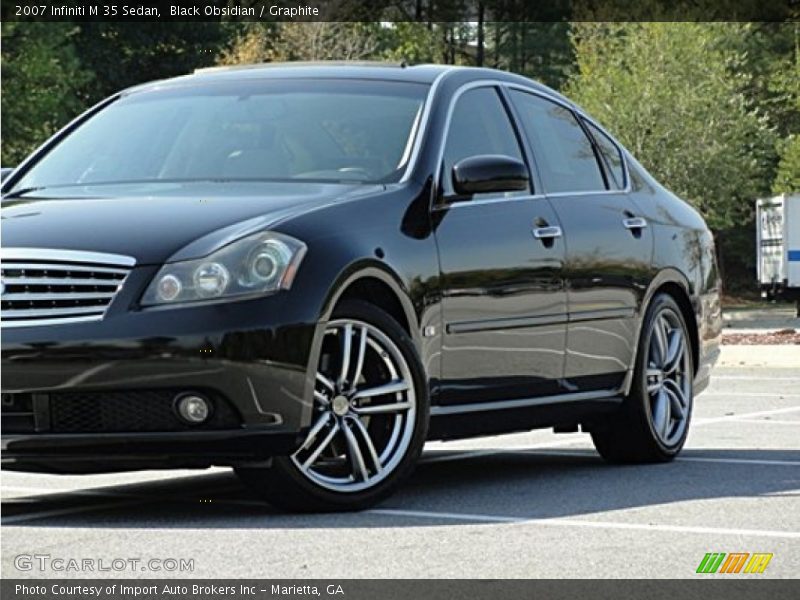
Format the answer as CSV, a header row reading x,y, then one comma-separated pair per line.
x,y
261,263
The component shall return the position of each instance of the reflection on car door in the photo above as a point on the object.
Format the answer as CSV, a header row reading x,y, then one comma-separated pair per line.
x,y
504,302
609,246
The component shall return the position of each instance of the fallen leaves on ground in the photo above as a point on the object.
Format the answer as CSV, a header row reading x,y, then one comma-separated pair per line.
x,y
773,338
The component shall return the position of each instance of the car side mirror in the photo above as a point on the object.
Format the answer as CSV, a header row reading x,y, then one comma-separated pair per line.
x,y
489,173
5,172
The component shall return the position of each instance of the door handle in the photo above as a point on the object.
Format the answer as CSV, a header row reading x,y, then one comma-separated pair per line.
x,y
547,233
635,223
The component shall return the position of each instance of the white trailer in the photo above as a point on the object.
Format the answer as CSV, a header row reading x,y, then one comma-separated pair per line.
x,y
778,247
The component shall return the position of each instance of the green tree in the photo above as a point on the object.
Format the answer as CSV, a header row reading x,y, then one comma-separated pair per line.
x,y
768,53
784,84
303,41
412,42
251,44
541,51
41,81
125,54
53,71
787,178
675,96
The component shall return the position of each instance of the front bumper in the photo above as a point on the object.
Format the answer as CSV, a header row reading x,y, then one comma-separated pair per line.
x,y
709,322
252,357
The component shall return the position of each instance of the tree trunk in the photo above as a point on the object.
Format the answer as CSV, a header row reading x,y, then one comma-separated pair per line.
x,y
514,64
498,37
720,264
479,59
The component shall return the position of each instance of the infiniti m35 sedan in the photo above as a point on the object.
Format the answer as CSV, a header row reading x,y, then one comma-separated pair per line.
x,y
305,272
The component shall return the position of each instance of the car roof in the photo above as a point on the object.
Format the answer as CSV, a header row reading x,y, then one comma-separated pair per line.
x,y
326,69
424,73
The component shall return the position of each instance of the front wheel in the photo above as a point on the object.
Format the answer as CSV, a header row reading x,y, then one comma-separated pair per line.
x,y
654,421
369,421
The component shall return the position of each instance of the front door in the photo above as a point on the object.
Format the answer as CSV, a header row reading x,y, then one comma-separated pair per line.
x,y
502,261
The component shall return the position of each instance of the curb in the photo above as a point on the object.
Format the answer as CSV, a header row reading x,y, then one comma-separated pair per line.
x,y
760,355
784,313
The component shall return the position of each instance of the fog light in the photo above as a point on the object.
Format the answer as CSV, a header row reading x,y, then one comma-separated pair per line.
x,y
193,409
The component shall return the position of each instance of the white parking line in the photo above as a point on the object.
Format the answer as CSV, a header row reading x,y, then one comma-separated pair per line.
x,y
749,394
741,461
708,459
767,422
460,455
544,445
60,512
425,514
125,499
735,417
33,494
750,378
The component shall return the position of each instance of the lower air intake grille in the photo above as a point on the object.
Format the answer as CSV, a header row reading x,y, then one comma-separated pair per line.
x,y
134,411
17,414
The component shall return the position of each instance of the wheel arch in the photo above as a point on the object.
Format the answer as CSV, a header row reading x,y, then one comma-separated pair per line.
x,y
376,284
372,282
681,297
676,285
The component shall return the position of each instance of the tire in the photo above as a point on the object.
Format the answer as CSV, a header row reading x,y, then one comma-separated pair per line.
x,y
654,419
359,448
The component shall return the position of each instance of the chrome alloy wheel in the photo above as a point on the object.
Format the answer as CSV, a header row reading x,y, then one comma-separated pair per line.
x,y
364,409
668,378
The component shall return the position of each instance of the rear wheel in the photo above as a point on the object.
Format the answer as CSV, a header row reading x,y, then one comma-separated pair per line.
x,y
369,421
654,420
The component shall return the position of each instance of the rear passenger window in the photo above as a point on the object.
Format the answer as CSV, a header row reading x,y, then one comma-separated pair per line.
x,y
563,152
479,125
611,156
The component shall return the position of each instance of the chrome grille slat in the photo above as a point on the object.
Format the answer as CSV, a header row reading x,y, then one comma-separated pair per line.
x,y
50,312
72,267
51,321
58,296
70,256
10,280
50,287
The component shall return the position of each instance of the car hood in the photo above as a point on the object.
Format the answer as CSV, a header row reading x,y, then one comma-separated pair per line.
x,y
175,222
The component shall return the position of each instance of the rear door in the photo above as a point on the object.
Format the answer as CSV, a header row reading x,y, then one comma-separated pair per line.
x,y
504,302
609,245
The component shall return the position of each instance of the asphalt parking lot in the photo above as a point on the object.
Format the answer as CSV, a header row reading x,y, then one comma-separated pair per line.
x,y
528,505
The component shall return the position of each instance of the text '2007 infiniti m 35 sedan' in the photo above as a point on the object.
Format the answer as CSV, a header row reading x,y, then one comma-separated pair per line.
x,y
304,272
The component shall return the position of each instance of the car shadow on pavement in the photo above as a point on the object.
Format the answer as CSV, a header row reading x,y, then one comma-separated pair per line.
x,y
507,484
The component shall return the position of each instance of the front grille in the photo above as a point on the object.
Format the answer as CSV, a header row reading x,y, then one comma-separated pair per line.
x,y
42,287
135,411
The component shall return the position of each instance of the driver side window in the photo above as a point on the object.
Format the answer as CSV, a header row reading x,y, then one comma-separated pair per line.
x,y
479,125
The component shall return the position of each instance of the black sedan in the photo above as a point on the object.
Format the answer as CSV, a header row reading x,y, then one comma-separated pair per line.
x,y
304,272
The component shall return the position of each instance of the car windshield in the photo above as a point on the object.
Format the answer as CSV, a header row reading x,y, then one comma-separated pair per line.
x,y
264,130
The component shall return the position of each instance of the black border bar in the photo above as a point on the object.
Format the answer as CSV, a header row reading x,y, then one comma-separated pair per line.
x,y
430,11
